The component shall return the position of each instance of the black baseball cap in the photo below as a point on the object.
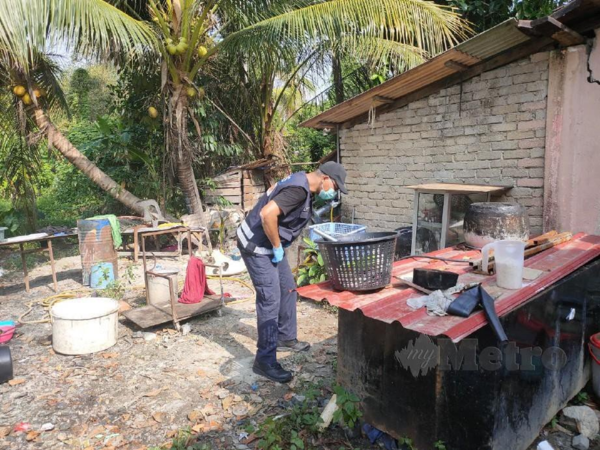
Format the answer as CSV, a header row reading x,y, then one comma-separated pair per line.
x,y
336,172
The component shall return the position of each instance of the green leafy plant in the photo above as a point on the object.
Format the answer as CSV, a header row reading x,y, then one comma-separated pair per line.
x,y
581,398
348,412
312,270
408,442
290,431
439,445
184,440
116,289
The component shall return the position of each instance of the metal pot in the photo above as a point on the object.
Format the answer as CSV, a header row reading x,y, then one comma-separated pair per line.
x,y
493,221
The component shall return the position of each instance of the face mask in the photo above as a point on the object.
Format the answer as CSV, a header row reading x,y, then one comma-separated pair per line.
x,y
327,194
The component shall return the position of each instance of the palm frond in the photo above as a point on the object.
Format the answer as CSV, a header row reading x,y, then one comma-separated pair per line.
x,y
91,28
380,53
419,23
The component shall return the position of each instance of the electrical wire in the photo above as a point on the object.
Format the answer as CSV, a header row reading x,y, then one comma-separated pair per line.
x,y
448,260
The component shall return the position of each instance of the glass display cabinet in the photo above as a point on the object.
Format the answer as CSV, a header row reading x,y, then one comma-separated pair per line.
x,y
439,212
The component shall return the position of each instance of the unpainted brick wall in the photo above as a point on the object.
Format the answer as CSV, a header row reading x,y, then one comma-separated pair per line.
x,y
492,133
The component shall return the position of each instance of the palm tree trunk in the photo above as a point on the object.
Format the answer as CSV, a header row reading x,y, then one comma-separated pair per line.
x,y
79,160
179,142
338,79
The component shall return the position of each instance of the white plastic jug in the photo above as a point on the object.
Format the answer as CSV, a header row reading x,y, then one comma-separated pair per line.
x,y
509,257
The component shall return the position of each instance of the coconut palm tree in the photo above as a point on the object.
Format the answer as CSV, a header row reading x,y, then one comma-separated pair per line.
x,y
29,29
191,36
277,37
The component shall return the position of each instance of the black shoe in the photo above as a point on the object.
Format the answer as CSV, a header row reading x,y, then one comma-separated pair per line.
x,y
292,346
273,372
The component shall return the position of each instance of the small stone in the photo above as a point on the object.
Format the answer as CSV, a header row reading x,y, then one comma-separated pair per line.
x,y
47,427
185,329
580,442
583,419
138,335
149,336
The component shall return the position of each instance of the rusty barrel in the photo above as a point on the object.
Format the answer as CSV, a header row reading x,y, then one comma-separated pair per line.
x,y
96,246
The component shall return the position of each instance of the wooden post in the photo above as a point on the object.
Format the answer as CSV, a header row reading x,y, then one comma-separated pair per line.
x,y
51,254
25,273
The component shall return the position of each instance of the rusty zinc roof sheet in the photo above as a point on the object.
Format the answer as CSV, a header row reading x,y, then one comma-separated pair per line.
x,y
390,304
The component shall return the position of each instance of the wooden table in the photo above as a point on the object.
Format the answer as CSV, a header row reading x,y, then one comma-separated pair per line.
x,y
22,240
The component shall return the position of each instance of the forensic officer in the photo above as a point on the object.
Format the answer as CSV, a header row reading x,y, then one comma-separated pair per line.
x,y
273,224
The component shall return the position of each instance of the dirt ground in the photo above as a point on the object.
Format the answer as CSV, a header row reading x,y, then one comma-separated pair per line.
x,y
140,392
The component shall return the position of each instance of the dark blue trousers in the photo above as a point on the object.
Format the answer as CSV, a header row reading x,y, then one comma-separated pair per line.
x,y
275,303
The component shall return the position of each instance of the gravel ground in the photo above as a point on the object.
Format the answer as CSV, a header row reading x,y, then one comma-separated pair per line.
x,y
137,393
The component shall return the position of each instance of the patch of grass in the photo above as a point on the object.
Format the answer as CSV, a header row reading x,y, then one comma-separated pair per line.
x,y
184,440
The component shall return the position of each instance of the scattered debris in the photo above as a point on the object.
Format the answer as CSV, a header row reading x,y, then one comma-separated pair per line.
x,y
47,427
186,328
544,445
582,419
328,412
581,442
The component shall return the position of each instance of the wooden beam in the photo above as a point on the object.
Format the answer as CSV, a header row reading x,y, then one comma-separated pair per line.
x,y
382,99
521,51
457,66
331,125
565,36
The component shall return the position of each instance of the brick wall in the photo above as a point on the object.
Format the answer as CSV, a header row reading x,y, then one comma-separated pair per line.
x,y
493,133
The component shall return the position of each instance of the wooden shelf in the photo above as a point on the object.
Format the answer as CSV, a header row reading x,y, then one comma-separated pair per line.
x,y
452,188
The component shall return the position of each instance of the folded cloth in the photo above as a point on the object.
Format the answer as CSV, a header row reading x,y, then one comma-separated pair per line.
x,y
115,227
196,285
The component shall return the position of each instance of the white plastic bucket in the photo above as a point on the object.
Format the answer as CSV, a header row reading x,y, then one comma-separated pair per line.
x,y
594,347
84,325
159,291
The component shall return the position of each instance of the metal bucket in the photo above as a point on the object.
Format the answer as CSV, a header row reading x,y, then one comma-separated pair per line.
x,y
96,246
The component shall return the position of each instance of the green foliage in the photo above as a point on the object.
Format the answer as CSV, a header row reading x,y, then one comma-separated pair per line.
x,y
184,441
312,270
117,288
290,431
581,398
484,14
439,445
407,442
348,412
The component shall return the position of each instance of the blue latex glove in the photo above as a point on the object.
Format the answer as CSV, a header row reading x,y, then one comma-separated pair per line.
x,y
277,254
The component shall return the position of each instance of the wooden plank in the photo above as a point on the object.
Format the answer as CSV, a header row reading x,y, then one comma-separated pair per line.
x,y
459,188
455,65
225,191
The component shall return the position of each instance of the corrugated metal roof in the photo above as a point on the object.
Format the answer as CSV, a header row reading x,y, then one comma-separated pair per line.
x,y
389,304
582,15
469,53
494,41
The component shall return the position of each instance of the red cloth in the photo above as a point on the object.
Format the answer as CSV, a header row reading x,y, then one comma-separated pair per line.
x,y
196,286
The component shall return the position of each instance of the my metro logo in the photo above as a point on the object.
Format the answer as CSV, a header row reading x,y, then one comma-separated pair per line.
x,y
422,355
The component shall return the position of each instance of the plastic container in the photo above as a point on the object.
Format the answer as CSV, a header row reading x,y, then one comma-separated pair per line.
x,y
594,347
84,325
96,246
509,258
7,329
102,275
6,364
159,291
334,229
361,262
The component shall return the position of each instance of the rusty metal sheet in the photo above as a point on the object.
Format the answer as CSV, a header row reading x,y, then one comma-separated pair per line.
x,y
390,304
